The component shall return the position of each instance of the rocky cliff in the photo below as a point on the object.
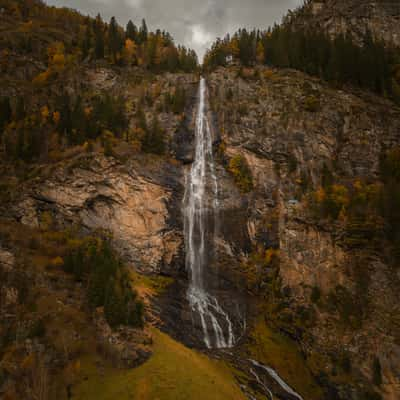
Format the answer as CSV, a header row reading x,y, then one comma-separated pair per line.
x,y
355,17
289,147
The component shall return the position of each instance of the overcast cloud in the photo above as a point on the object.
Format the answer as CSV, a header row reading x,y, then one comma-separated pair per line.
x,y
194,23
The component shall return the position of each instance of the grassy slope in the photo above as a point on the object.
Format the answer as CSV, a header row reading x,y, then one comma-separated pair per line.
x,y
281,353
174,372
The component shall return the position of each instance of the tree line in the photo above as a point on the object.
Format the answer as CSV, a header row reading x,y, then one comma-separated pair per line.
x,y
135,46
82,38
370,64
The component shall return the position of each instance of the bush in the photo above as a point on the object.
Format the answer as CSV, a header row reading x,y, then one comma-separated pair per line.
x,y
153,140
315,294
176,101
229,94
377,372
349,308
240,170
108,283
311,104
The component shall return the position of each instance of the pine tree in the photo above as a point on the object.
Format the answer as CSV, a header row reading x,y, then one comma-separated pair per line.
x,y
5,113
114,40
20,109
153,141
143,32
99,37
87,42
131,31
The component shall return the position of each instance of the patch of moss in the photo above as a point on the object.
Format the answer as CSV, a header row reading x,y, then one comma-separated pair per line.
x,y
151,284
174,372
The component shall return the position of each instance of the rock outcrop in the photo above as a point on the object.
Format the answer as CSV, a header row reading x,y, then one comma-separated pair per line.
x,y
99,193
381,18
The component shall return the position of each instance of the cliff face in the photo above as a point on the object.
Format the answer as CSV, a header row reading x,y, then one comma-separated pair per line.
x,y
289,146
382,18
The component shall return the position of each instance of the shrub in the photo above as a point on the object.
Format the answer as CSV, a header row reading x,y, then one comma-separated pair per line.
x,y
315,294
377,372
153,140
311,104
240,170
42,78
176,101
229,94
349,308
243,109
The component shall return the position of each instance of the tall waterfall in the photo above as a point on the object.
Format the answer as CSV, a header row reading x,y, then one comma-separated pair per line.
x,y
201,202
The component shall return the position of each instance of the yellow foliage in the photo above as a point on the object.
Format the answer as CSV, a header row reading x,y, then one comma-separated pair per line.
x,y
234,48
357,185
269,255
240,170
57,262
88,111
260,55
46,221
320,195
27,362
56,54
269,74
44,112
55,48
42,78
340,194
58,61
56,117
27,26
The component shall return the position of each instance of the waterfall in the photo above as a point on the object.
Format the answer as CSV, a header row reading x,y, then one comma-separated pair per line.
x,y
201,184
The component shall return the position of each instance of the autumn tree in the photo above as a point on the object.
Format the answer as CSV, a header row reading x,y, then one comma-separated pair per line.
x,y
260,53
129,52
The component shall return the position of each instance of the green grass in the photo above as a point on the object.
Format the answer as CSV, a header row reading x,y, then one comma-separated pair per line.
x,y
174,372
281,353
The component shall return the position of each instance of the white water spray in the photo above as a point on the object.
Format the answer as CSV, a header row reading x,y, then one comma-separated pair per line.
x,y
214,320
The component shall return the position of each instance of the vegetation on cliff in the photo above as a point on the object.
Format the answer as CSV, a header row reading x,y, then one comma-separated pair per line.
x,y
373,65
47,107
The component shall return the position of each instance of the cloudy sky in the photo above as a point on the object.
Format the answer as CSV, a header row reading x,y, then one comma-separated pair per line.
x,y
194,23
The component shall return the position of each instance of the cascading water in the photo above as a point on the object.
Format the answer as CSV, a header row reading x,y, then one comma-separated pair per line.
x,y
201,183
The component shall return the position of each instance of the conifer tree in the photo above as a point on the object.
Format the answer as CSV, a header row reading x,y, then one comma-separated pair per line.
x,y
131,31
87,42
99,37
5,113
114,40
143,32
